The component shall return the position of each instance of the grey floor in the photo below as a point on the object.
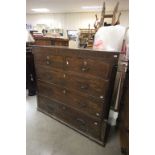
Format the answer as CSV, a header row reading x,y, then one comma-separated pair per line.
x,y
46,136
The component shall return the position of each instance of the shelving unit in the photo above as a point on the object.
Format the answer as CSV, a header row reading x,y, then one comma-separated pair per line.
x,y
86,37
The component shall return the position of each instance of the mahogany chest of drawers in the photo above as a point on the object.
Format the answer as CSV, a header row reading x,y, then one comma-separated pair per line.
x,y
74,86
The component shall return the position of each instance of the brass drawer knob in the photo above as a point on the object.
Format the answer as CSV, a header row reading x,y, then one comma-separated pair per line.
x,y
102,97
95,123
67,62
84,69
47,58
64,75
84,86
64,91
97,114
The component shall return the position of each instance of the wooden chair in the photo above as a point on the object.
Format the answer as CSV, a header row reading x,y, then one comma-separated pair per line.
x,y
113,16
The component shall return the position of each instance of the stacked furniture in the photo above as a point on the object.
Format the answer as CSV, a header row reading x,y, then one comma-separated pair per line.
x,y
74,86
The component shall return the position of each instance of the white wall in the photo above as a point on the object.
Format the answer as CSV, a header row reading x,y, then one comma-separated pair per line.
x,y
69,20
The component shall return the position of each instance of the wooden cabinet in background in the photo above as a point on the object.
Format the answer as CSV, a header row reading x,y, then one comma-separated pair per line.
x,y
48,41
75,87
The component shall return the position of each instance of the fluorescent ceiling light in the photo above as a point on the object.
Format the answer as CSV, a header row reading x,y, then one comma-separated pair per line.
x,y
41,10
91,7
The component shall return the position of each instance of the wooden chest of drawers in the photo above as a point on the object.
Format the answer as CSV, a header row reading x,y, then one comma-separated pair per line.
x,y
75,87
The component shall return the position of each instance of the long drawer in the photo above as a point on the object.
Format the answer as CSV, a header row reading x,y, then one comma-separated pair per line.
x,y
70,116
93,86
85,66
86,104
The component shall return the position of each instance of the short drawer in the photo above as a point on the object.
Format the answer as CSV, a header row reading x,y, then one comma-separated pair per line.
x,y
77,100
70,116
94,67
50,60
93,86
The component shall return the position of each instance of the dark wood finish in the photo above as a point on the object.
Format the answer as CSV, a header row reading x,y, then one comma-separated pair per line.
x,y
88,66
90,85
119,83
72,98
75,86
59,42
30,72
73,117
51,41
124,117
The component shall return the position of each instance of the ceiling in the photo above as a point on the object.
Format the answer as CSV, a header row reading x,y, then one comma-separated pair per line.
x,y
62,6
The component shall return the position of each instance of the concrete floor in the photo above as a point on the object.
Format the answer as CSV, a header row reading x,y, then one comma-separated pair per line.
x,y
46,136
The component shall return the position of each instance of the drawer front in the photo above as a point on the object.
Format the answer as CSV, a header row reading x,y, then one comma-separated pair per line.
x,y
70,116
45,104
54,61
50,75
92,86
89,66
61,43
86,104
